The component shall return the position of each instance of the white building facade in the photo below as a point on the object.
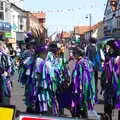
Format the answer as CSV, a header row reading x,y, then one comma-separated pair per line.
x,y
18,22
13,20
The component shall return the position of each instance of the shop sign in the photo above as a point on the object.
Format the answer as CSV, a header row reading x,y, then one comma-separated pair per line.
x,y
1,26
11,40
5,26
8,35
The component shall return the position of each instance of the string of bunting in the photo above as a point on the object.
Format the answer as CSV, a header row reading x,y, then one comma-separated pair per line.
x,y
68,9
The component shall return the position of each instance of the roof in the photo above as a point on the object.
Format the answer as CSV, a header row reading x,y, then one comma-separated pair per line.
x,y
66,35
81,29
40,15
96,25
22,10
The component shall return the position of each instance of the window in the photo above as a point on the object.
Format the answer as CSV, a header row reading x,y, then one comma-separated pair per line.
x,y
21,20
1,5
118,22
1,16
21,23
108,12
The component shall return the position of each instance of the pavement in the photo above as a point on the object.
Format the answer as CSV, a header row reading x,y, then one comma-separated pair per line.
x,y
17,98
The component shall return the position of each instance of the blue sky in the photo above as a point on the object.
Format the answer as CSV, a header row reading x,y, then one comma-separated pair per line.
x,y
64,14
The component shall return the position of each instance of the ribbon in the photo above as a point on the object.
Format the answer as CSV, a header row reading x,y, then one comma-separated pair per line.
x,y
84,83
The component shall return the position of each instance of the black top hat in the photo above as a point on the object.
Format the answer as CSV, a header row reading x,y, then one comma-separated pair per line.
x,y
78,51
30,42
93,40
53,47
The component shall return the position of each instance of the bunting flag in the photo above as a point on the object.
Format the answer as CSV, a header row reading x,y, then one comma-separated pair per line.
x,y
67,10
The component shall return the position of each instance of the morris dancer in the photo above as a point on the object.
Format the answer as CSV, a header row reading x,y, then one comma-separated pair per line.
x,y
63,87
25,74
83,85
42,92
52,75
93,53
111,79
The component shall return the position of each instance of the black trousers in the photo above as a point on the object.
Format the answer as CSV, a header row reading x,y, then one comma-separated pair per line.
x,y
1,92
77,112
96,81
119,115
108,111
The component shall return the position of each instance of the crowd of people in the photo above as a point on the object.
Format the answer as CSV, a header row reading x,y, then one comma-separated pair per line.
x,y
49,85
7,69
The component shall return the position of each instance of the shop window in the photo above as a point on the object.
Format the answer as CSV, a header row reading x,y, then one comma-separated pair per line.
x,y
1,16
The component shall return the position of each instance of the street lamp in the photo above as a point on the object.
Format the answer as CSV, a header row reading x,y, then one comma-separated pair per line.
x,y
90,22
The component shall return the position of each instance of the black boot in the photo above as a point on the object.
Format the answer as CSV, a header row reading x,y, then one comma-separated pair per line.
x,y
29,110
108,111
84,113
119,115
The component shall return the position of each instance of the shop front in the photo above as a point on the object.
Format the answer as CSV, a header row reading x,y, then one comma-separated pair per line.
x,y
6,34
